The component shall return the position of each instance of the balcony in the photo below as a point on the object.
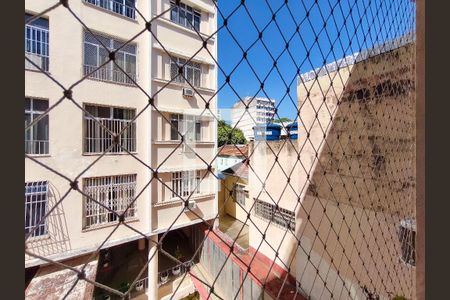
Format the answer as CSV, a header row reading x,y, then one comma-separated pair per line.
x,y
108,74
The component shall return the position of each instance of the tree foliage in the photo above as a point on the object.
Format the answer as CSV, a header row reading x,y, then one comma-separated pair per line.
x,y
284,120
227,135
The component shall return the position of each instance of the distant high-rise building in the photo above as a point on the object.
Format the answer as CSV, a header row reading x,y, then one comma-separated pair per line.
x,y
260,111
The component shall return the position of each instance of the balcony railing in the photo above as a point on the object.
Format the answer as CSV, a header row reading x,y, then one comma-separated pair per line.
x,y
98,140
36,47
107,74
37,147
117,6
180,269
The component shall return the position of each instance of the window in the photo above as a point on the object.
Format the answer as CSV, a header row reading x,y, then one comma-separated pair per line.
x,y
189,126
36,137
407,237
191,71
98,140
239,194
36,43
113,192
122,7
36,206
185,183
95,55
282,217
185,15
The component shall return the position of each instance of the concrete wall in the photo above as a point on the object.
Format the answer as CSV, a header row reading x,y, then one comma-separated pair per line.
x,y
352,184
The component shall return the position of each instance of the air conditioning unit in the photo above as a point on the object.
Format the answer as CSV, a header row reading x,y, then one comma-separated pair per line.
x,y
187,92
191,205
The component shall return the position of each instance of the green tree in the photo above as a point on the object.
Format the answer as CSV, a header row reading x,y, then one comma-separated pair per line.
x,y
227,135
284,120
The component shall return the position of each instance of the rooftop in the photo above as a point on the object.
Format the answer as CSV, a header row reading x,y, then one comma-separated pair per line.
x,y
233,150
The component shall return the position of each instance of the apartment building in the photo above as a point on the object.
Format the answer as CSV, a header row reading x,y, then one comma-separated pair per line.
x,y
74,140
260,111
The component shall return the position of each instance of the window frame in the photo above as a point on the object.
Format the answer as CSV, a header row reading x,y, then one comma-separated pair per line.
x,y
42,230
108,72
35,114
116,149
42,43
239,193
184,183
105,187
183,9
183,121
195,68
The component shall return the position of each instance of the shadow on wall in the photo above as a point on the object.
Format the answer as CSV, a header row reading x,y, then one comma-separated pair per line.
x,y
57,240
363,181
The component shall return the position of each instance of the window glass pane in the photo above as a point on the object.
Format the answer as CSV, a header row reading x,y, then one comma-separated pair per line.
x,y
197,22
104,112
182,17
130,66
196,77
40,105
174,128
41,129
90,55
198,127
27,103
189,19
174,13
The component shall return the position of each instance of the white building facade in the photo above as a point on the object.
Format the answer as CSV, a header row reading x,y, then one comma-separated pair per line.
x,y
260,111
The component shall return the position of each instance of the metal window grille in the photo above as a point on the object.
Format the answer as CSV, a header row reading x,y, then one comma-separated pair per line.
x,y
239,194
121,7
407,237
185,183
37,136
36,207
191,71
189,126
280,216
101,121
107,197
37,44
96,55
185,15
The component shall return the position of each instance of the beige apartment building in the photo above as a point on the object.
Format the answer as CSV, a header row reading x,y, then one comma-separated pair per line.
x,y
72,138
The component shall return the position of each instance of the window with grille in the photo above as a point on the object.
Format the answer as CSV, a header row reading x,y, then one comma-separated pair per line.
x,y
97,139
121,7
239,194
185,16
112,195
184,183
36,206
95,55
191,71
36,43
36,137
281,216
407,237
189,126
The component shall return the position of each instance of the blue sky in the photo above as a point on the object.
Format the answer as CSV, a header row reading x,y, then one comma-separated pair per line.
x,y
388,23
